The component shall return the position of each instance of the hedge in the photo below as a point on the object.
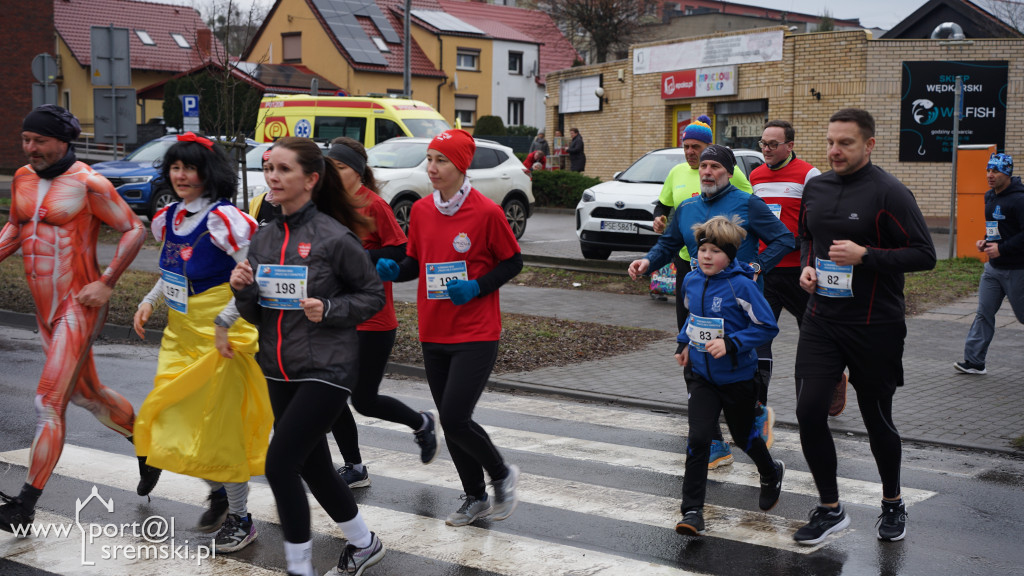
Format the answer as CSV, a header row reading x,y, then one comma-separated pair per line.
x,y
560,188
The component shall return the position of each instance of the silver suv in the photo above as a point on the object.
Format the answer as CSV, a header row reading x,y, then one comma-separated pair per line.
x,y
400,167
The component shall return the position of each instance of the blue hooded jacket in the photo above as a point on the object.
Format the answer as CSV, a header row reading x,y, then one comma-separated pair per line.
x,y
732,295
757,219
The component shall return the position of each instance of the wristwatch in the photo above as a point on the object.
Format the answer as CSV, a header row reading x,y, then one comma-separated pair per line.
x,y
756,267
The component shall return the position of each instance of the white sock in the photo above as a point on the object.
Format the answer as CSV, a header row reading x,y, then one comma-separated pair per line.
x,y
356,531
425,422
300,558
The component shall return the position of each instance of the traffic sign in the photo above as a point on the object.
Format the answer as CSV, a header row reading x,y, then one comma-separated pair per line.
x,y
111,65
44,68
190,105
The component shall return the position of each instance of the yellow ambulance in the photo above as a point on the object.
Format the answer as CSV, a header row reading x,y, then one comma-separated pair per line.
x,y
367,119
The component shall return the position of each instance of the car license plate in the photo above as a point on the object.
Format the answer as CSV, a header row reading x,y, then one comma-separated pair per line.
x,y
618,226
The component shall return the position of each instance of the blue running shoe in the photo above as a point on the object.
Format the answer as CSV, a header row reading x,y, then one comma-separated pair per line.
x,y
721,454
764,424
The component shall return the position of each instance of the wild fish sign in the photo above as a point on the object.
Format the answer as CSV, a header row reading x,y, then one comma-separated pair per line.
x,y
926,107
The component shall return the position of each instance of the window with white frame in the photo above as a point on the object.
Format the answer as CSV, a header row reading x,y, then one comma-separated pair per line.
x,y
515,111
467,59
465,110
180,41
145,38
515,63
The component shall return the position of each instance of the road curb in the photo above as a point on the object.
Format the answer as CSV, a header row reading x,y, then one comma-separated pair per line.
x,y
109,332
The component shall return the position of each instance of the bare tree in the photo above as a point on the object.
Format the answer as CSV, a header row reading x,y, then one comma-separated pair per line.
x,y
607,24
1009,11
232,23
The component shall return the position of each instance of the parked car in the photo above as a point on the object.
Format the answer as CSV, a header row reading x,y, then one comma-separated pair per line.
x,y
137,177
400,166
617,215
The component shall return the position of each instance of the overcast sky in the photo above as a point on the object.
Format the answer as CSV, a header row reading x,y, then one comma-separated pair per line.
x,y
872,13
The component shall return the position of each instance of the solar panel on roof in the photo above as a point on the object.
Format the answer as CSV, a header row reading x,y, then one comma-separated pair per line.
x,y
340,16
446,22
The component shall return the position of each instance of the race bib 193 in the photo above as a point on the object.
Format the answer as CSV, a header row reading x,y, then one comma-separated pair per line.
x,y
281,287
439,274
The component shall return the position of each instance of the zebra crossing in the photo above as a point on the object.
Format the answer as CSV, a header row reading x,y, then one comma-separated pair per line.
x,y
588,470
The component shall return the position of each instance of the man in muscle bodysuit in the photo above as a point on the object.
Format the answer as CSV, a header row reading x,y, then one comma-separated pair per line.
x,y
57,205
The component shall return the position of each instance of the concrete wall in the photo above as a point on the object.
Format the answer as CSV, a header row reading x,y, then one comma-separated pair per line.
x,y
847,68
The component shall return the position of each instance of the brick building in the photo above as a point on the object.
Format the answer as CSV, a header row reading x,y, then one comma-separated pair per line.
x,y
34,20
816,75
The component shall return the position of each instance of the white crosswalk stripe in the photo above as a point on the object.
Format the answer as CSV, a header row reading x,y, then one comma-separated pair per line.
x,y
490,550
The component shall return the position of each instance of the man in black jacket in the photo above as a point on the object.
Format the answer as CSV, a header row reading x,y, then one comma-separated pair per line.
x,y
1004,272
860,231
577,159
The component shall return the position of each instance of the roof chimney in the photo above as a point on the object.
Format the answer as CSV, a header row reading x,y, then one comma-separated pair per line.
x,y
204,41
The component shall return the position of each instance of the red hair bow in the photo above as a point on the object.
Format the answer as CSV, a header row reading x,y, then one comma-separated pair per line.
x,y
191,137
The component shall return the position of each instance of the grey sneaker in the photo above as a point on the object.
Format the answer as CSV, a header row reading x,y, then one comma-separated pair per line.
x,y
505,498
354,560
692,523
235,533
470,511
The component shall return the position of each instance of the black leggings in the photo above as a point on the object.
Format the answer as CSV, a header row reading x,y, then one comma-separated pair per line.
x,y
304,412
707,401
813,397
782,291
874,355
374,351
457,375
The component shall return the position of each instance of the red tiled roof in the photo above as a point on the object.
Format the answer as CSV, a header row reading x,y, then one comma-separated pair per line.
x,y
74,18
556,53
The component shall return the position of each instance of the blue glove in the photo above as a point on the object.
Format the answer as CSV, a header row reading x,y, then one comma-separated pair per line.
x,y
462,291
387,269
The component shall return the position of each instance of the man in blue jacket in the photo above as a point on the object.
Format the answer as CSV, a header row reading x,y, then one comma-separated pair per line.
x,y
1004,271
719,197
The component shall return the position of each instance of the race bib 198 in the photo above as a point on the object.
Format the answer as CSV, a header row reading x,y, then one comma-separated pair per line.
x,y
281,287
834,281
701,331
175,291
439,274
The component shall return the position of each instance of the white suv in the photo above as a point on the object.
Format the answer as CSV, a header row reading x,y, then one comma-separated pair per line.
x,y
617,215
400,167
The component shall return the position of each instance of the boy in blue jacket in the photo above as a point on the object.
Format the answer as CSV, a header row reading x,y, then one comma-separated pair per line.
x,y
729,318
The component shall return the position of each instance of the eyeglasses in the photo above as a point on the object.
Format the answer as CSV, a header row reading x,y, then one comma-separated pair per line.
x,y
770,145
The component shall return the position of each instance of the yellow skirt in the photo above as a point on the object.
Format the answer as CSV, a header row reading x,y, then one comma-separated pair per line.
x,y
207,416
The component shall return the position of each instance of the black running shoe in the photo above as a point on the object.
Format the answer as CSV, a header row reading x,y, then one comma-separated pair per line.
x,y
823,521
427,439
16,517
771,487
148,477
892,522
692,523
214,516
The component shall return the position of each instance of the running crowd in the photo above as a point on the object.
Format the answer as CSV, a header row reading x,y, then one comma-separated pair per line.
x,y
276,318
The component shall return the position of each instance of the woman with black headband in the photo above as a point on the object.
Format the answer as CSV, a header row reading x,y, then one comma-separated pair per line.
x,y
376,335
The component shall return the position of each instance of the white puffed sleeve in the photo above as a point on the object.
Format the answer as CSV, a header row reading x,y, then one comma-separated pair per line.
x,y
231,229
158,223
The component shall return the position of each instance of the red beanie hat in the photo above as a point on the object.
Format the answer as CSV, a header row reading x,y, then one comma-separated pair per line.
x,y
457,145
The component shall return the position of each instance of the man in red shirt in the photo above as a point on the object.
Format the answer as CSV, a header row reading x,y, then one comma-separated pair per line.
x,y
780,183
